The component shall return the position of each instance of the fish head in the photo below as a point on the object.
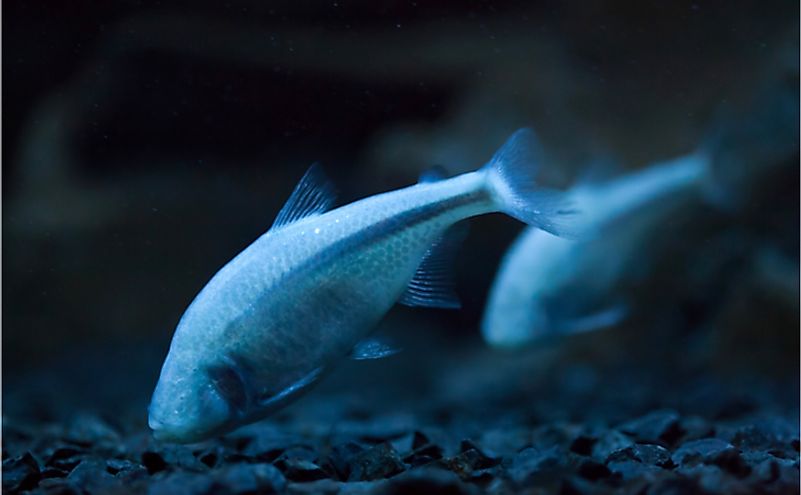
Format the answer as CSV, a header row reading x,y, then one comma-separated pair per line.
x,y
195,399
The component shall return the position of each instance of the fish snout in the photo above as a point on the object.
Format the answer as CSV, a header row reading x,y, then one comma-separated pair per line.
x,y
188,416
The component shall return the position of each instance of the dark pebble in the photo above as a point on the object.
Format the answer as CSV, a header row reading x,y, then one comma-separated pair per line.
x,y
66,458
428,480
609,441
265,442
341,456
424,455
380,461
126,470
170,483
20,473
505,441
153,462
655,455
59,486
764,434
630,469
50,472
553,435
90,430
593,470
470,459
300,469
419,440
92,476
331,487
698,451
172,456
534,465
251,478
695,427
210,459
676,485
660,427
583,445
765,467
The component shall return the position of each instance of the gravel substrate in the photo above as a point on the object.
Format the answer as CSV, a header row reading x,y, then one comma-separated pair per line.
x,y
329,445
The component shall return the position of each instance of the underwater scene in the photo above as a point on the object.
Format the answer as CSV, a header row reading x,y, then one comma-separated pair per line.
x,y
400,247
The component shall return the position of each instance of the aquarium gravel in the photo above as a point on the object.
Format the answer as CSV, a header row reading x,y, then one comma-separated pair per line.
x,y
728,443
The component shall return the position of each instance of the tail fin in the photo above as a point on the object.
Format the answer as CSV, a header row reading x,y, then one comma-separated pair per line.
x,y
511,172
747,144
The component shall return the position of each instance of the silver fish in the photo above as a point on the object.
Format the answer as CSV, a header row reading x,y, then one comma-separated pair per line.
x,y
310,290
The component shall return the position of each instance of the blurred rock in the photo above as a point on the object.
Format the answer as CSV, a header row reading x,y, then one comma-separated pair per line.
x,y
661,427
428,480
92,476
20,473
251,478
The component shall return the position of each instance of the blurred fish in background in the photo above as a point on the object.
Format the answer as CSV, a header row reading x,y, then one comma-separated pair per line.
x,y
547,286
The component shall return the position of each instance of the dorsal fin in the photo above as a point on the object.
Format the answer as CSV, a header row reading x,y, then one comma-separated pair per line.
x,y
313,195
432,284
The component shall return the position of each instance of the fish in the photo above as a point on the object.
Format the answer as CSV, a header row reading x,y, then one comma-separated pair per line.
x,y
548,287
310,291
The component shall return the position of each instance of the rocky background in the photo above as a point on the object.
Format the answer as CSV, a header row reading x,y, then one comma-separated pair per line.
x,y
146,143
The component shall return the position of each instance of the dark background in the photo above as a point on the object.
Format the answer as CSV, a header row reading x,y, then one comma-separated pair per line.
x,y
145,144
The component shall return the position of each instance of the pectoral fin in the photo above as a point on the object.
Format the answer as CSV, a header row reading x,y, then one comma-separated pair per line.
x,y
432,284
293,389
607,317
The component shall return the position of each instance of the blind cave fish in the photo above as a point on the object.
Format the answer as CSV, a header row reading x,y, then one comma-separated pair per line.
x,y
548,286
310,290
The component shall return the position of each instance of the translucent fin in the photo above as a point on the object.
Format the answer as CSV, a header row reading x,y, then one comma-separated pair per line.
x,y
605,318
600,169
511,174
521,149
313,195
432,284
293,389
433,174
372,349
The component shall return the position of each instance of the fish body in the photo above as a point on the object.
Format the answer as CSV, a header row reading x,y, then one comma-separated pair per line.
x,y
305,293
549,286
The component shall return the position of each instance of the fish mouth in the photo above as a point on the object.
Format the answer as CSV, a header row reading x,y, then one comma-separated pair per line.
x,y
167,433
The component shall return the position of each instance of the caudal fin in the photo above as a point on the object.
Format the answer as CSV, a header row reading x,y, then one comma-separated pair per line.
x,y
511,174
746,145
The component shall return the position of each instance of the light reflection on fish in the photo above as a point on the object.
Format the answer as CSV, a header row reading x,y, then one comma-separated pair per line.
x,y
310,290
